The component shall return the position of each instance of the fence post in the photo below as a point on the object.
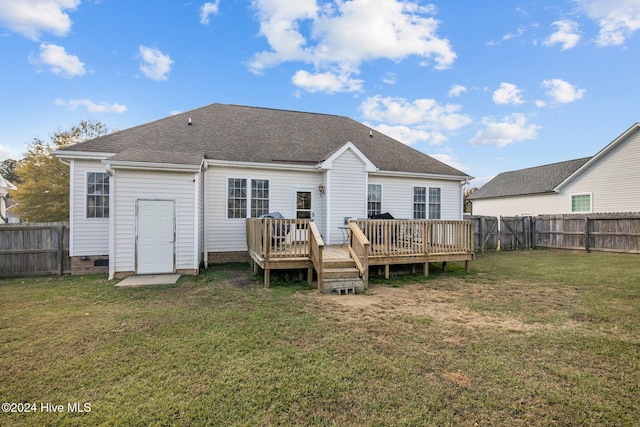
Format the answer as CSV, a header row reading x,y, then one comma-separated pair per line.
x,y
482,234
586,233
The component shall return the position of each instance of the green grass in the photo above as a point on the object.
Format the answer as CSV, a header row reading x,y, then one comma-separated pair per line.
x,y
528,338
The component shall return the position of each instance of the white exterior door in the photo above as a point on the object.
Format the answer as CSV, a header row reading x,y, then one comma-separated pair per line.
x,y
155,243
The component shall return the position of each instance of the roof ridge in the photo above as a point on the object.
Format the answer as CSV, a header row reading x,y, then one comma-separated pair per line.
x,y
548,164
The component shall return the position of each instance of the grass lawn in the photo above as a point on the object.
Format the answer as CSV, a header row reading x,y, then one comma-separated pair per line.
x,y
527,338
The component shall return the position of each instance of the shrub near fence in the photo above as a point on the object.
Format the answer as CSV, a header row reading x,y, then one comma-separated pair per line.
x,y
31,249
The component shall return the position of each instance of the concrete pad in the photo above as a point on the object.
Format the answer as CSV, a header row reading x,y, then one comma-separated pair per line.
x,y
151,279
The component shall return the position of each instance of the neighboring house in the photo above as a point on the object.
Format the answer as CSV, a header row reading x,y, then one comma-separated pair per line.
x,y
5,187
606,182
174,194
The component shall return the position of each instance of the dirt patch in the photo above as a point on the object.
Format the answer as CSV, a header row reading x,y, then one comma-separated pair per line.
x,y
413,300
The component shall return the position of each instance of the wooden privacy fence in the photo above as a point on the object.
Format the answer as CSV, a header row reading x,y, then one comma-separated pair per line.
x,y
590,232
31,249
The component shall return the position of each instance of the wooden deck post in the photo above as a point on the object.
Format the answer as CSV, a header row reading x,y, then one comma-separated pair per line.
x,y
267,276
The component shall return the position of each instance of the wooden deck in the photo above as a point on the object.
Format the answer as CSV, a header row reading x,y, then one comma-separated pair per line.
x,y
296,244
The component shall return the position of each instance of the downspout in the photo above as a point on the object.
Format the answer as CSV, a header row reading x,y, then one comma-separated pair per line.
x,y
205,243
112,222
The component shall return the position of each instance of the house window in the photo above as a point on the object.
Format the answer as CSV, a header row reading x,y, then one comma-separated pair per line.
x,y
581,203
419,202
374,200
238,190
237,198
434,203
97,195
259,197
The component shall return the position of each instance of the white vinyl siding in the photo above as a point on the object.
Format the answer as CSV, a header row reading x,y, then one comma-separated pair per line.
x,y
397,197
347,193
90,236
151,185
229,235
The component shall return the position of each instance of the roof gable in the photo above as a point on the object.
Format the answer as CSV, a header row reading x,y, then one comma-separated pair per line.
x,y
536,180
233,133
369,166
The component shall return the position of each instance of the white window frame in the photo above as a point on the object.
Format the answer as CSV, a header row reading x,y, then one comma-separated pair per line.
x,y
368,193
429,203
413,201
86,195
248,196
578,195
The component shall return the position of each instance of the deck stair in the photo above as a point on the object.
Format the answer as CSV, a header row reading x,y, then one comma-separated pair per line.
x,y
341,276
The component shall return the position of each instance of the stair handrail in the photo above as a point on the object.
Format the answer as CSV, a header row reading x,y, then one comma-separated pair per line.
x,y
359,250
316,247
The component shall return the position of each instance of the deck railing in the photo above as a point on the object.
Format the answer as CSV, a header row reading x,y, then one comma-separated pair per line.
x,y
316,249
390,237
359,250
278,238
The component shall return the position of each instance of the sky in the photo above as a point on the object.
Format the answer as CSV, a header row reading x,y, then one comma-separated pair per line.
x,y
484,86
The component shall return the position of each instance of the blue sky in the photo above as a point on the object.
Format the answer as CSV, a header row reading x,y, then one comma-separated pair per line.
x,y
485,86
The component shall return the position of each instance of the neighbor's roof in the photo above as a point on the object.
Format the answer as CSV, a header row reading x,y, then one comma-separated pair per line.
x,y
6,185
540,179
261,135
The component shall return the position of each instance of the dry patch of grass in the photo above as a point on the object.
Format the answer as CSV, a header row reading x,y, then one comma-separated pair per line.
x,y
528,338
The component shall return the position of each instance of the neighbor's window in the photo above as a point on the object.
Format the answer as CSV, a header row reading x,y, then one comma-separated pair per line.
x,y
434,203
237,198
97,195
419,202
374,200
581,203
259,197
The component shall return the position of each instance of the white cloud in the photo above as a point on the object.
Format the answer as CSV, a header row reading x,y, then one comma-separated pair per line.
x,y
450,160
413,121
33,17
389,78
418,112
208,9
508,93
618,19
338,34
561,91
155,64
5,153
521,30
60,61
408,135
567,35
510,129
328,82
456,90
92,107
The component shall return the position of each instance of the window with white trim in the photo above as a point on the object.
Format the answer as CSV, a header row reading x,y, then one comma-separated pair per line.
x,y
581,203
374,200
435,207
259,197
247,198
97,195
419,202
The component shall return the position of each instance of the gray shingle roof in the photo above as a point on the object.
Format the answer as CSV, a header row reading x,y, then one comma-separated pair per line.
x,y
540,179
263,135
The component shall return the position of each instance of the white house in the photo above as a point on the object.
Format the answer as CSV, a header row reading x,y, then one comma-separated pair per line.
x,y
606,182
174,194
5,187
